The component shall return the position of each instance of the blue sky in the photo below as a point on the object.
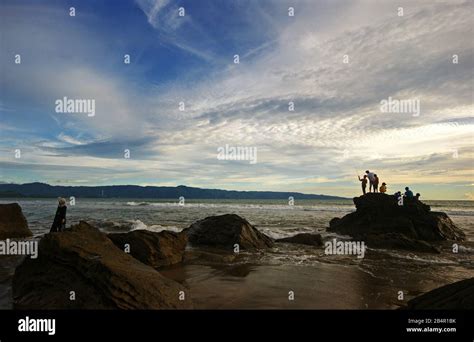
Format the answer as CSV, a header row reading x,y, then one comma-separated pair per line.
x,y
336,130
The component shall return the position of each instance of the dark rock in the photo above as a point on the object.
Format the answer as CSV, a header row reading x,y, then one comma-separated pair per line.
x,y
154,249
399,241
380,220
456,296
304,239
225,231
84,260
12,222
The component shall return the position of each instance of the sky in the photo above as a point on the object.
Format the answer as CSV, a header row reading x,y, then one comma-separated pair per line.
x,y
306,94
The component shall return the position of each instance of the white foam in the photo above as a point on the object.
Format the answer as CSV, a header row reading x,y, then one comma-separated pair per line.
x,y
137,225
245,206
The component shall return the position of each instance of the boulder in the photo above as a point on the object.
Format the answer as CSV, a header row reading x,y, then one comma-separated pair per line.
x,y
84,260
304,239
456,296
154,249
379,219
225,231
12,222
399,241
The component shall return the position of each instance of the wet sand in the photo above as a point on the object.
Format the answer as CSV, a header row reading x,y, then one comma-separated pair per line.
x,y
345,283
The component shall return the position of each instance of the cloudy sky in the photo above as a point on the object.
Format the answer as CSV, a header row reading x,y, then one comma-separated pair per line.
x,y
335,61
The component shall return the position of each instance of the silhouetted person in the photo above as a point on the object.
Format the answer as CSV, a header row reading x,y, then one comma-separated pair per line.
x,y
417,196
383,188
59,222
376,183
371,177
364,183
408,193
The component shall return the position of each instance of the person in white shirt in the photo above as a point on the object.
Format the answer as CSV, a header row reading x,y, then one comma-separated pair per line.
x,y
371,177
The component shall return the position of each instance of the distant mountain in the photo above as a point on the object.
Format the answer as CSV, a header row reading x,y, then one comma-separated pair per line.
x,y
135,191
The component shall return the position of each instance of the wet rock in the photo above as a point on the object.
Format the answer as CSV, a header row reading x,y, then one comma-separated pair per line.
x,y
84,260
456,296
380,221
13,223
225,231
155,249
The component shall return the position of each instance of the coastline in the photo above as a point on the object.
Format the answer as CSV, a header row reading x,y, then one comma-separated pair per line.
x,y
262,280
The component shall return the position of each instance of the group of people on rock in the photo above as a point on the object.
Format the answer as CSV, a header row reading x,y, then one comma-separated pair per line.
x,y
408,194
373,180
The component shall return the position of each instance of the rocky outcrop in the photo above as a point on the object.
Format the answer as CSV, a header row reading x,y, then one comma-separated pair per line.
x,y
83,263
225,231
381,222
154,249
456,296
304,239
12,222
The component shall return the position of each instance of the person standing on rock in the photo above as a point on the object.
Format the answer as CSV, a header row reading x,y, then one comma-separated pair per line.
x,y
364,183
383,188
408,193
59,222
376,183
371,177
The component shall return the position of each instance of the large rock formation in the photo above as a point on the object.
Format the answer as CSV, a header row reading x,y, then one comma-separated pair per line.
x,y
12,222
154,249
456,296
381,222
84,260
225,231
304,239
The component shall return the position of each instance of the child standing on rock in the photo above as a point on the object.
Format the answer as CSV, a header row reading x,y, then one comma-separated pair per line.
x,y
59,222
364,183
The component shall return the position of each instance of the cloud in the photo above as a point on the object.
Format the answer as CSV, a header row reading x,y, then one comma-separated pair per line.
x,y
336,129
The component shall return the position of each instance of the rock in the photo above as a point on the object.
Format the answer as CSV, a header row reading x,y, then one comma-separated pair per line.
x,y
304,239
380,220
399,241
84,260
225,231
154,249
456,296
12,222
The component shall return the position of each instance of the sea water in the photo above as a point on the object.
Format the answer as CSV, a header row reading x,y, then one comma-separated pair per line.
x,y
315,280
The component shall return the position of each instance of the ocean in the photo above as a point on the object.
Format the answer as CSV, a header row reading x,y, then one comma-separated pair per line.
x,y
263,280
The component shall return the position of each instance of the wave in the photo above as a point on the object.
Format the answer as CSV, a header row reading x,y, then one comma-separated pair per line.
x,y
136,203
467,250
139,225
131,225
412,257
340,208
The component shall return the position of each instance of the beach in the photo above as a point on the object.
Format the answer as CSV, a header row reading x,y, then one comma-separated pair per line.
x,y
287,276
